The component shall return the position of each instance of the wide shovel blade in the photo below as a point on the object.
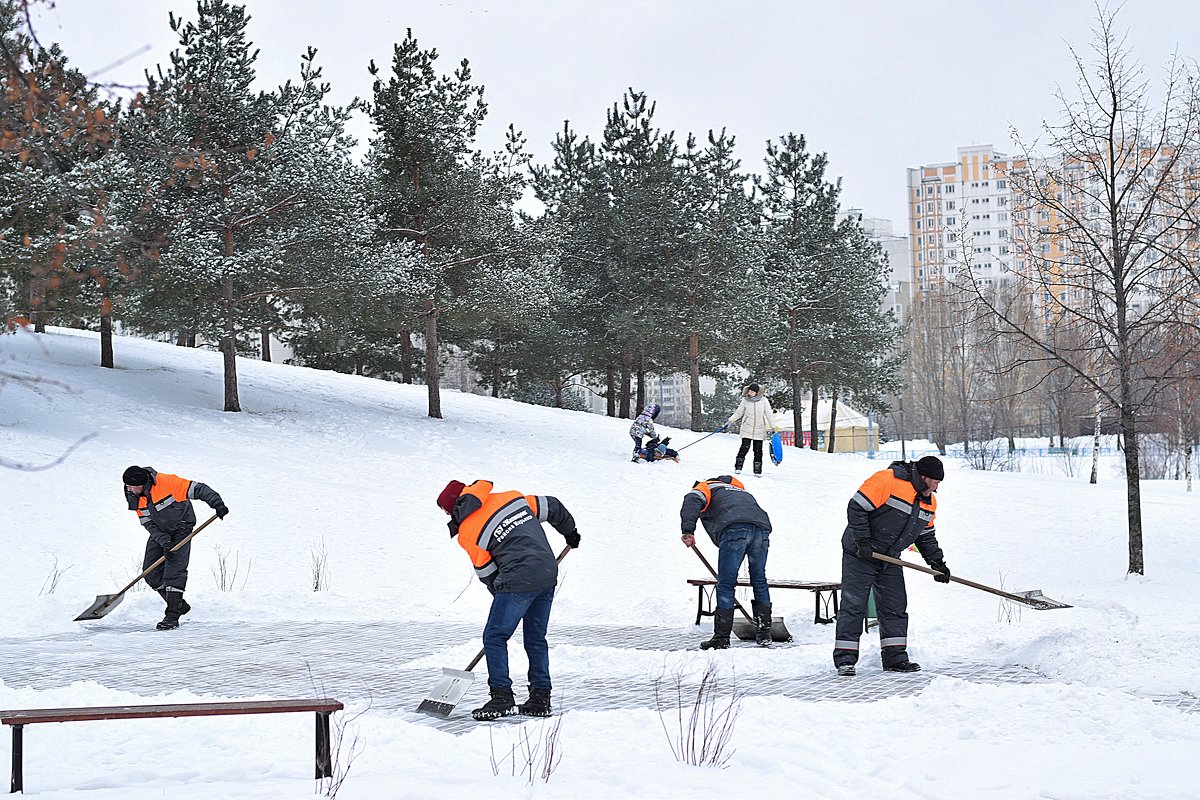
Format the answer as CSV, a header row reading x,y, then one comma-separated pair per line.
x,y
104,604
1033,599
748,631
448,692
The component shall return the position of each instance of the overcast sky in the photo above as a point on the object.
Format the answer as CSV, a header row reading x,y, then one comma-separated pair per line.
x,y
880,85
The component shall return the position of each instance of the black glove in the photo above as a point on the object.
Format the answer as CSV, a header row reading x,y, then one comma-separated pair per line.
x,y
665,441
941,567
572,539
163,541
865,550
221,511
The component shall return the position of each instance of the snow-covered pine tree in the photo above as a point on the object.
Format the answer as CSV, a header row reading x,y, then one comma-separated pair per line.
x,y
434,187
798,274
247,179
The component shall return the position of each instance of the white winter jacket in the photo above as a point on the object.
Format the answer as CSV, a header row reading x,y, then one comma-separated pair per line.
x,y
758,421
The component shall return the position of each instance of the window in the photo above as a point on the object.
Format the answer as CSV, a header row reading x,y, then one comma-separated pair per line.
x,y
949,205
1001,184
1001,201
1003,234
952,237
985,183
928,190
1003,249
950,189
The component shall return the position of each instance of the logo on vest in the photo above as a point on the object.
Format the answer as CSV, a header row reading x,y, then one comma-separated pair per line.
x,y
508,524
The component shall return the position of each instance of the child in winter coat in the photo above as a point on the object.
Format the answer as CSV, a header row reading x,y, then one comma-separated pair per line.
x,y
656,450
757,424
643,426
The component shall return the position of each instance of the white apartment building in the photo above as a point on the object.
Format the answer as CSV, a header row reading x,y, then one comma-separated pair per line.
x,y
898,300
962,211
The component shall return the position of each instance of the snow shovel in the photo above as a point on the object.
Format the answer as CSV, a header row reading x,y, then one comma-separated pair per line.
x,y
746,630
107,602
455,682
1034,598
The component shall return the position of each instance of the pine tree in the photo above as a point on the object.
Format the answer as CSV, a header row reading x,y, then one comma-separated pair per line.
x,y
247,180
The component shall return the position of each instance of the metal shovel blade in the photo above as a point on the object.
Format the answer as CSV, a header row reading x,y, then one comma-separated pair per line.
x,y
449,690
747,631
1039,601
104,604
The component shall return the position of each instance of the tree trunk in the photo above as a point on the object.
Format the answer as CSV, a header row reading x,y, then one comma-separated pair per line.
x,y
1096,443
832,421
812,418
264,333
797,404
1187,465
641,384
694,380
432,369
610,395
37,304
106,333
496,364
181,339
1133,482
626,369
229,342
406,356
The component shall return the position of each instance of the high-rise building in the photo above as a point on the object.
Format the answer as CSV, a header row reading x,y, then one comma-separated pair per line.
x,y
898,299
959,212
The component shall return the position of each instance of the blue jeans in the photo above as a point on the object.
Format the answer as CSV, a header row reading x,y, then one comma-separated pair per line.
x,y
738,542
509,608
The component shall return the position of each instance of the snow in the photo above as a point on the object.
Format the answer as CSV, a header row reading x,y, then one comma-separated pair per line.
x,y
353,465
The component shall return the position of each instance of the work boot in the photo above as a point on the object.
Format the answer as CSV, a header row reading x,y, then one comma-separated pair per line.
x,y
762,624
502,704
902,666
183,609
175,606
538,704
722,626
758,468
846,671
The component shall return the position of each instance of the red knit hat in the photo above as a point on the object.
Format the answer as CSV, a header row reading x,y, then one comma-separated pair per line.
x,y
449,495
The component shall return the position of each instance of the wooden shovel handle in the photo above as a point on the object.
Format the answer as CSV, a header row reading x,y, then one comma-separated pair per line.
x,y
479,656
717,577
161,559
921,568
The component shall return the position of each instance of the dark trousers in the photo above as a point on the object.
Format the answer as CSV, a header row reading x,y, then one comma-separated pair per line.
x,y
174,573
532,610
737,542
637,444
745,448
859,577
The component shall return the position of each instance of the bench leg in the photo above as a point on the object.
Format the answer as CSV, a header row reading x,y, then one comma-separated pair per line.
x,y
823,603
18,746
699,603
324,763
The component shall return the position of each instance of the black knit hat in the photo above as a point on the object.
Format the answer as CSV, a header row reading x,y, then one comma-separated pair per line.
x,y
136,476
753,388
931,467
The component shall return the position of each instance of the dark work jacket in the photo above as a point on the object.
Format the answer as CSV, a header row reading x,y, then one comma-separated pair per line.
x,y
882,512
502,533
719,503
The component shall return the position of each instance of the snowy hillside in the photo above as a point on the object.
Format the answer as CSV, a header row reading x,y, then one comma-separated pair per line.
x,y
351,466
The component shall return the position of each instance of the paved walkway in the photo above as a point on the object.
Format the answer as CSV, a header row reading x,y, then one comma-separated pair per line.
x,y
361,663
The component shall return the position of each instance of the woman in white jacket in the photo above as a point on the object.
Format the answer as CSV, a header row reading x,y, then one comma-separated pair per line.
x,y
757,425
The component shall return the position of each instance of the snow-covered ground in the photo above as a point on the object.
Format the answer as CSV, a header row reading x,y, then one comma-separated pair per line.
x,y
350,466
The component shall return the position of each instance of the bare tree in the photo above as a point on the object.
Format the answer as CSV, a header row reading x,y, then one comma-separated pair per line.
x,y
1105,227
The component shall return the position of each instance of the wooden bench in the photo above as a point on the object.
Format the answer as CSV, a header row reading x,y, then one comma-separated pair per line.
x,y
825,605
19,719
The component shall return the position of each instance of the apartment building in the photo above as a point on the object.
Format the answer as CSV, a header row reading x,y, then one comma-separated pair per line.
x,y
962,211
898,250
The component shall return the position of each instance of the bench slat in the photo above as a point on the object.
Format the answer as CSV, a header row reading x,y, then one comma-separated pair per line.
x,y
775,584
34,715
